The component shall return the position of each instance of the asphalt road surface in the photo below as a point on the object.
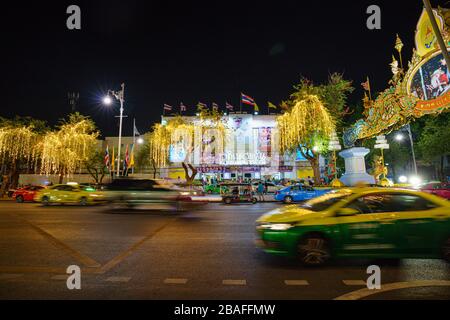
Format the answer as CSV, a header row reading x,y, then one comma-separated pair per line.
x,y
207,254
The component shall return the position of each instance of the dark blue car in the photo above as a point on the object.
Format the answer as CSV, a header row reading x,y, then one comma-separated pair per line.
x,y
298,193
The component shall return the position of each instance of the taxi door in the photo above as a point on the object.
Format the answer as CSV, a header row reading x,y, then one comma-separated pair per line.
x,y
422,225
371,232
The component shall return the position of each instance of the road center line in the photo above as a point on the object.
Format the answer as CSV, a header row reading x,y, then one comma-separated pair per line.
x,y
118,279
10,276
230,282
175,281
296,282
354,282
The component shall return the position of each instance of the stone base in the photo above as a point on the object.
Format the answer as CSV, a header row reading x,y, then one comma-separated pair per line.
x,y
351,180
355,167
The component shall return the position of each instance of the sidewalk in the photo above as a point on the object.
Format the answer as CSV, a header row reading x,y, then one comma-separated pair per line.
x,y
218,198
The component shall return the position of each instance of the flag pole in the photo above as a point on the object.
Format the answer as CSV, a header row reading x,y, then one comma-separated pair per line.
x,y
370,89
240,103
134,140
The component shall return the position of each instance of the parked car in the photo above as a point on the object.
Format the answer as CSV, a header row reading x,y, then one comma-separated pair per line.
x,y
375,223
269,186
26,193
69,194
441,189
298,193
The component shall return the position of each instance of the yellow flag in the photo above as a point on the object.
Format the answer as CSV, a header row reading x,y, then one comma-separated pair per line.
x,y
113,161
271,105
132,157
256,107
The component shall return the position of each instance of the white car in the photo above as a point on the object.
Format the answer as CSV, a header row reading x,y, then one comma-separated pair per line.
x,y
270,187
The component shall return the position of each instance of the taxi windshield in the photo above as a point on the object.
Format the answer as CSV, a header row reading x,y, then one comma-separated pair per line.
x,y
326,201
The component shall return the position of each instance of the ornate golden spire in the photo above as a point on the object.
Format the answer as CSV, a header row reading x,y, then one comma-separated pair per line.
x,y
398,46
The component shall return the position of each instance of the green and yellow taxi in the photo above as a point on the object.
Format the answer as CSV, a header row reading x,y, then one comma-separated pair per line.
x,y
69,194
359,223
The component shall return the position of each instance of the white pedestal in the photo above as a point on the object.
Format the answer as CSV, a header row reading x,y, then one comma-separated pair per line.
x,y
355,167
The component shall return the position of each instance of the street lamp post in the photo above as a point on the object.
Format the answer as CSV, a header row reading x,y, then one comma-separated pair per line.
x,y
119,95
399,137
412,148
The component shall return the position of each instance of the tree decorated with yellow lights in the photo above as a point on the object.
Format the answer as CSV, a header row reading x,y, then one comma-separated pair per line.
x,y
312,114
19,148
67,149
306,126
180,130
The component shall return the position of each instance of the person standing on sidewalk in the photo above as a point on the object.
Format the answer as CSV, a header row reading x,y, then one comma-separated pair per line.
x,y
260,191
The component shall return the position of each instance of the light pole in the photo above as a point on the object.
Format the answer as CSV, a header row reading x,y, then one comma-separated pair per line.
x,y
119,95
399,137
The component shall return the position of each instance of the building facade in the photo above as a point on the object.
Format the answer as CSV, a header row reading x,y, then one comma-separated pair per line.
x,y
247,148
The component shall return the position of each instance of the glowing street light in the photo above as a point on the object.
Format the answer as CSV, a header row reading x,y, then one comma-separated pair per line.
x,y
140,140
107,100
119,95
399,137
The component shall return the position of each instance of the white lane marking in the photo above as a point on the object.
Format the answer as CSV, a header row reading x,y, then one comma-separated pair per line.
x,y
354,282
231,282
60,277
8,276
296,282
175,281
118,279
362,293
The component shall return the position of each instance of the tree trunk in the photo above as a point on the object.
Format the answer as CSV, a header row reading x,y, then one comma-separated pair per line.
x,y
441,169
14,175
189,177
316,169
314,162
154,169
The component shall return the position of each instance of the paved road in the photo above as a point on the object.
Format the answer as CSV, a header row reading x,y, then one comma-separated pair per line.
x,y
208,254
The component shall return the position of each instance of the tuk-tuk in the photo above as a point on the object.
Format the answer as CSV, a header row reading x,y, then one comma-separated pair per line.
x,y
237,193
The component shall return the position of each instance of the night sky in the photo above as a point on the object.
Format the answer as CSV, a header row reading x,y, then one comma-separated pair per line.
x,y
189,51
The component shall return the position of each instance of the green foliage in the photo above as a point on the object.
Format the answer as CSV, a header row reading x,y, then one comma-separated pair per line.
x,y
95,165
142,157
434,140
332,94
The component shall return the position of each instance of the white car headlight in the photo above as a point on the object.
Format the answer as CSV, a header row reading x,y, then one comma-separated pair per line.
x,y
276,226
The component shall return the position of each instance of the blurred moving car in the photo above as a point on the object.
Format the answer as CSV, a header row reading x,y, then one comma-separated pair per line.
x,y
269,186
438,188
69,193
359,223
298,193
156,194
26,193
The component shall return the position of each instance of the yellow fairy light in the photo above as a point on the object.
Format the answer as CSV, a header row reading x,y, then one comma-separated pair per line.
x,y
307,118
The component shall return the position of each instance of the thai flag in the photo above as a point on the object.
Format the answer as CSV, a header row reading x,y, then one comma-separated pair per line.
x,y
202,105
106,159
126,161
247,100
229,106
182,107
167,107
